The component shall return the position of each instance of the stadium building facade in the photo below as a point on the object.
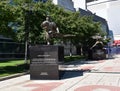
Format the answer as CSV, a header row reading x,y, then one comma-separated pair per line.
x,y
108,9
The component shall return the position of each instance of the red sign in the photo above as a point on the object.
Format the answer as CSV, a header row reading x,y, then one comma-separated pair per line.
x,y
116,42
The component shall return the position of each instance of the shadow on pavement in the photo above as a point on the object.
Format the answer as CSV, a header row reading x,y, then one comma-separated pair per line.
x,y
66,74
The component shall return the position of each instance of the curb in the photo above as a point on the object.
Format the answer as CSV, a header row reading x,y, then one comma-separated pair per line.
x,y
75,61
13,76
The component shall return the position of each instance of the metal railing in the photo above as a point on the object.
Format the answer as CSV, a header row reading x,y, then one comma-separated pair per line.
x,y
11,50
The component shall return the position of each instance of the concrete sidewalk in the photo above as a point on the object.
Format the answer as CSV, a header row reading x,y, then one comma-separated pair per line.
x,y
97,75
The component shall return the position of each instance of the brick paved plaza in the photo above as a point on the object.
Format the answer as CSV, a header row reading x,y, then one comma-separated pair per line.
x,y
101,75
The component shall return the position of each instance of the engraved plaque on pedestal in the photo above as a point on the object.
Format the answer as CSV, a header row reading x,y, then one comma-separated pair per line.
x,y
46,54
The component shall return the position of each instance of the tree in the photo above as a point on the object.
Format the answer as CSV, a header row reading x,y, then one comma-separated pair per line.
x,y
7,19
21,11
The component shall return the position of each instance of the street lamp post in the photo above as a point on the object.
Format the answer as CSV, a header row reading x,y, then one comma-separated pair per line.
x,y
26,34
27,27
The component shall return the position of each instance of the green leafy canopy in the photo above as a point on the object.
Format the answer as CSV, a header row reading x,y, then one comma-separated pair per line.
x,y
27,15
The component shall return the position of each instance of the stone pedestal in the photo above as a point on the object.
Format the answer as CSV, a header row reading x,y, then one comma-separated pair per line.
x,y
44,61
99,54
44,71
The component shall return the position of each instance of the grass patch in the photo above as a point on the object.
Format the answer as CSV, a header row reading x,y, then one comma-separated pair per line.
x,y
12,67
73,58
11,63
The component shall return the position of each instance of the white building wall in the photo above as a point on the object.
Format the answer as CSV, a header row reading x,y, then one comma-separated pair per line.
x,y
108,9
79,4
